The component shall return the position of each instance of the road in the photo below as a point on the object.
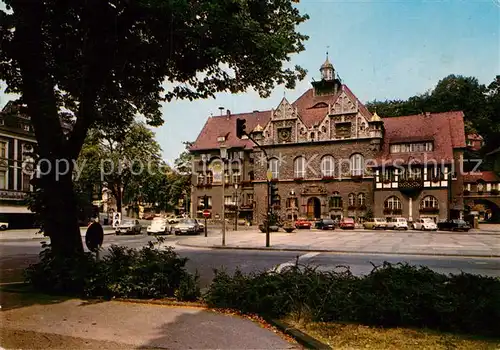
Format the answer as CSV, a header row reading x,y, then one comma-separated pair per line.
x,y
15,255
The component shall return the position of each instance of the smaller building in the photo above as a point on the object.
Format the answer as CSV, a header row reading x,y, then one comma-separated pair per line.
x,y
474,142
481,195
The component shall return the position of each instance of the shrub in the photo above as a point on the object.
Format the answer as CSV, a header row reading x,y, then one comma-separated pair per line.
x,y
128,273
391,295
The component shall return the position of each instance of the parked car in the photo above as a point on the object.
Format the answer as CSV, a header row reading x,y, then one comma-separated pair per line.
x,y
186,226
325,224
397,224
159,226
453,225
347,223
425,224
4,226
129,227
172,219
201,227
374,224
272,228
302,223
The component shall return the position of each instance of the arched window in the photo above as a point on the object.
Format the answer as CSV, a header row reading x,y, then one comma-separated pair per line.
x,y
352,199
393,203
210,177
361,199
429,202
226,177
274,167
357,164
299,165
327,166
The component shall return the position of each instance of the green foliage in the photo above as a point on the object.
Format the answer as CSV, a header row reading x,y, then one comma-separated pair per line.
x,y
128,273
391,295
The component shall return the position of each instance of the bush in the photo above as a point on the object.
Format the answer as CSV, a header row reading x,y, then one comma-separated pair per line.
x,y
391,295
127,273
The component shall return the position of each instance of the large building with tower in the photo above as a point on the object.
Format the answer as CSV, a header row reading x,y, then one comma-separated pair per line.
x,y
331,157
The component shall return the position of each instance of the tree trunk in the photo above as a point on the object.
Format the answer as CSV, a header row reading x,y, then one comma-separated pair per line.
x,y
61,210
119,197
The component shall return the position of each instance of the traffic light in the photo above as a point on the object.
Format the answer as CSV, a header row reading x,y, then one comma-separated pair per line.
x,y
275,198
240,127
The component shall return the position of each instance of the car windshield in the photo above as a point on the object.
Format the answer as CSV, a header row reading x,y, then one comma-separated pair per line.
x,y
128,222
379,220
349,220
459,222
187,221
401,219
328,221
428,220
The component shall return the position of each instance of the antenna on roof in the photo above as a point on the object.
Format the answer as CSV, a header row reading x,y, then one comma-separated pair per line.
x,y
221,109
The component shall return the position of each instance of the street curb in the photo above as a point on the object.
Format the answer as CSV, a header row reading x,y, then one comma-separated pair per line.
x,y
301,337
164,302
270,249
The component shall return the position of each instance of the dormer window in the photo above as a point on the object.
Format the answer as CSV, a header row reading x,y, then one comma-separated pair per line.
x,y
427,146
221,139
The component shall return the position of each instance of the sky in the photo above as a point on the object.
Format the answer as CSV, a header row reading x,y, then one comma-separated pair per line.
x,y
381,49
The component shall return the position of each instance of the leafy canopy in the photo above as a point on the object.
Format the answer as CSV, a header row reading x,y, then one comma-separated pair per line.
x,y
106,61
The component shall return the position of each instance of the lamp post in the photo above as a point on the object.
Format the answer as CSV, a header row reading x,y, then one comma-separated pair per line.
x,y
223,156
236,206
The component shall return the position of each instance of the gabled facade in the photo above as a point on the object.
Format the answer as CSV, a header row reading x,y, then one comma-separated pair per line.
x,y
328,154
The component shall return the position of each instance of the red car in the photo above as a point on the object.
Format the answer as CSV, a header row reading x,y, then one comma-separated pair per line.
x,y
347,223
302,223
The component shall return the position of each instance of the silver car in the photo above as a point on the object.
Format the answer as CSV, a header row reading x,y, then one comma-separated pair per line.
x,y
186,227
129,227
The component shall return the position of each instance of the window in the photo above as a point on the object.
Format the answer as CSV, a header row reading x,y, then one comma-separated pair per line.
x,y
236,178
299,167
412,147
250,175
327,166
361,199
393,203
210,177
274,167
336,200
357,163
26,127
352,199
388,175
228,200
312,136
200,179
480,187
292,202
2,122
3,149
26,182
3,180
249,198
429,202
226,177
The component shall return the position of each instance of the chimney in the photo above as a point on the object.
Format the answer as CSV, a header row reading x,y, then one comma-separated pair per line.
x,y
427,114
228,113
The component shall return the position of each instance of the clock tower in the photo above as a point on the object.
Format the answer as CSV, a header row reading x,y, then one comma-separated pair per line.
x,y
329,84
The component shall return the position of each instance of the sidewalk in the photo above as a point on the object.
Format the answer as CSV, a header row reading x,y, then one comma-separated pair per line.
x,y
122,325
358,241
32,233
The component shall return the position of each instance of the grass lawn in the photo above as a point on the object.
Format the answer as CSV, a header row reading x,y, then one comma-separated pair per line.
x,y
353,336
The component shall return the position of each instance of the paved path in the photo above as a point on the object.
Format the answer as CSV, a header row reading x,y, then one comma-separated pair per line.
x,y
140,325
33,233
360,241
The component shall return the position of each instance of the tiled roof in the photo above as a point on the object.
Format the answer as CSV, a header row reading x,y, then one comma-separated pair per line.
x,y
307,105
446,130
486,176
226,125
474,137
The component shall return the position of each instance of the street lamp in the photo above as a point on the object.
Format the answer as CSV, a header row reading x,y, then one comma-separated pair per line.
x,y
223,156
236,206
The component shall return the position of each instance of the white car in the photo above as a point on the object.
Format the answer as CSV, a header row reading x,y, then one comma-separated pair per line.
x,y
4,226
158,226
425,224
397,224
